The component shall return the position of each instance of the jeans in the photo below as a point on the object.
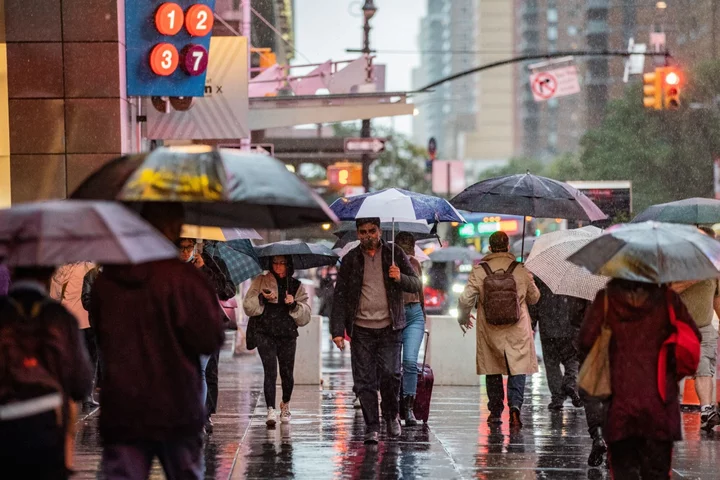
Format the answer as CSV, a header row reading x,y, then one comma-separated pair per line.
x,y
558,351
181,459
375,357
496,394
412,338
91,345
204,359
636,458
274,351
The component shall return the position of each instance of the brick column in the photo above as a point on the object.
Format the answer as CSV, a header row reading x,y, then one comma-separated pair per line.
x,y
66,93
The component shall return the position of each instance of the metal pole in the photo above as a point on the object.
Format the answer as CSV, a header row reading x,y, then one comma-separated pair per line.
x,y
449,193
246,31
365,130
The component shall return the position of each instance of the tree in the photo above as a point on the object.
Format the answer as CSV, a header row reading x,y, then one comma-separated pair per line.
x,y
565,167
668,155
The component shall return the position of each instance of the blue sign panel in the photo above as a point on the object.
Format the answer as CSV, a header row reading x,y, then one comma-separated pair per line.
x,y
167,44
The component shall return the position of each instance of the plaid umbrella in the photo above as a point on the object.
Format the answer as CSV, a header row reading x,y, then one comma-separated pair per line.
x,y
548,260
240,258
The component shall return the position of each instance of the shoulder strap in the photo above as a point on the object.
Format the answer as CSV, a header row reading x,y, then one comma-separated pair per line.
x,y
34,310
486,267
511,268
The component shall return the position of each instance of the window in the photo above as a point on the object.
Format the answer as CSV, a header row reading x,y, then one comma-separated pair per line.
x,y
552,33
552,15
572,30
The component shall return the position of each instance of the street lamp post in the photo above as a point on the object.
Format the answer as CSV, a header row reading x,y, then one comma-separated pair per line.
x,y
369,10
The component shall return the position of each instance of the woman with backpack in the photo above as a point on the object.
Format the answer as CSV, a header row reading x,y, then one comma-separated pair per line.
x,y
501,289
277,305
643,416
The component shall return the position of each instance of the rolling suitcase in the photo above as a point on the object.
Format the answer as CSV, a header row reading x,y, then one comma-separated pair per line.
x,y
424,388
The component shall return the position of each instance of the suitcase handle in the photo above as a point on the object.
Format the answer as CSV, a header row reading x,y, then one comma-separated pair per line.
x,y
427,340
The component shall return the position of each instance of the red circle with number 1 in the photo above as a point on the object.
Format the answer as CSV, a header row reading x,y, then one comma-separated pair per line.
x,y
199,20
169,18
164,59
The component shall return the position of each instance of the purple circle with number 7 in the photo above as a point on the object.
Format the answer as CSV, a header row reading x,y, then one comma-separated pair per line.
x,y
194,59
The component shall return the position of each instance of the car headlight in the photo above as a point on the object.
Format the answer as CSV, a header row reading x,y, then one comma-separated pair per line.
x,y
424,279
458,288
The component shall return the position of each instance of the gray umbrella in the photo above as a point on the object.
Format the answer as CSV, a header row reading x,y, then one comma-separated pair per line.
x,y
66,231
691,211
220,188
651,252
454,254
304,255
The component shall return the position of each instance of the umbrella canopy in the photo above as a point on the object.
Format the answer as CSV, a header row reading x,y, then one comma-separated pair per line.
x,y
304,255
528,195
219,234
651,252
222,188
455,254
64,231
239,256
692,211
419,255
394,203
548,260
420,230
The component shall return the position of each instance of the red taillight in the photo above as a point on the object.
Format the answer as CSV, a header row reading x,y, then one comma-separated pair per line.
x,y
433,298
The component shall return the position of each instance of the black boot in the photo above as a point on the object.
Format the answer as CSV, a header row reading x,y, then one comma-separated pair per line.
x,y
410,420
598,449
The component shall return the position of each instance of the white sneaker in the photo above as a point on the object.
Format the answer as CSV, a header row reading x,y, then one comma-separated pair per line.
x,y
284,413
271,417
356,403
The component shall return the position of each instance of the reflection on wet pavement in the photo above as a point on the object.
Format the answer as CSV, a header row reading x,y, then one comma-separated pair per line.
x,y
324,439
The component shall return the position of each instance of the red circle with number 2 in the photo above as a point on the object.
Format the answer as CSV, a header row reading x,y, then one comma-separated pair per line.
x,y
199,20
164,59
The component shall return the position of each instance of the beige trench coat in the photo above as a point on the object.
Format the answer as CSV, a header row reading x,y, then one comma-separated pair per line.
x,y
495,343
252,306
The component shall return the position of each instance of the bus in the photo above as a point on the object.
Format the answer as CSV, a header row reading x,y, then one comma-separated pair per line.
x,y
613,197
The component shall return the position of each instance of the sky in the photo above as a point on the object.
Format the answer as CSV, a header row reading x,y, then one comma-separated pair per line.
x,y
325,28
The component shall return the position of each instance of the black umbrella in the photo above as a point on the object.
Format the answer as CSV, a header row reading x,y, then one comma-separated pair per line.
x,y
221,188
347,232
528,195
304,255
691,211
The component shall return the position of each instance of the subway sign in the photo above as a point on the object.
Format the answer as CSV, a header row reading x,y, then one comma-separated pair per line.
x,y
167,45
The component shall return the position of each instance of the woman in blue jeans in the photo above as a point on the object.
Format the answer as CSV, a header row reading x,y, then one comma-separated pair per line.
x,y
413,333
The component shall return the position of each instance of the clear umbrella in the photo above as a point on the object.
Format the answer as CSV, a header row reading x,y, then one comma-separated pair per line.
x,y
66,231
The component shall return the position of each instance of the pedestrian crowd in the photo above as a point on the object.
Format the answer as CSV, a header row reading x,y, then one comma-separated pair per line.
x,y
142,342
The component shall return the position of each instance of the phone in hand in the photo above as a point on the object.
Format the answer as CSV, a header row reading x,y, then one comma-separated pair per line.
x,y
267,291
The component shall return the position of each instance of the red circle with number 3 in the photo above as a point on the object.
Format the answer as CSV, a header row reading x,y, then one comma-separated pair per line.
x,y
164,59
169,18
199,20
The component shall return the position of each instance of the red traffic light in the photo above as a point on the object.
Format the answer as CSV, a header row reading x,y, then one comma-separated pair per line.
x,y
672,78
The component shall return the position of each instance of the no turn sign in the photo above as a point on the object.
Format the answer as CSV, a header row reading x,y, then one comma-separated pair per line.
x,y
557,82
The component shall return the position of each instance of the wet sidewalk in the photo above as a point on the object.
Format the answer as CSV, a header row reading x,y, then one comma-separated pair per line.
x,y
324,440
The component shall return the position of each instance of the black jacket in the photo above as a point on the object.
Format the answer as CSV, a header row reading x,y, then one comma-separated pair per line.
x,y
219,276
559,316
153,321
349,287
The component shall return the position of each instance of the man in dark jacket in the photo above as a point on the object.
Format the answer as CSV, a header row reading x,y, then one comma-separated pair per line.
x,y
557,315
32,442
153,322
216,271
368,305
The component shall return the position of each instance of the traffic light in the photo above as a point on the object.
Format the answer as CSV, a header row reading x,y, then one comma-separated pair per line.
x,y
652,90
167,47
344,174
671,82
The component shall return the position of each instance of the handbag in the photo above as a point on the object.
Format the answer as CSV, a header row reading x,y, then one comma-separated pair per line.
x,y
594,376
687,350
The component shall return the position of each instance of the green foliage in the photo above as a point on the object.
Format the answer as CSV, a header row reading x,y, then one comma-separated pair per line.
x,y
565,167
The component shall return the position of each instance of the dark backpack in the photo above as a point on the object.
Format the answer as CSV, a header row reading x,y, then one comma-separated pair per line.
x,y
500,301
27,350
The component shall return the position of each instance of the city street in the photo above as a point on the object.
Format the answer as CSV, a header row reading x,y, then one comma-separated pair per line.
x,y
324,439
